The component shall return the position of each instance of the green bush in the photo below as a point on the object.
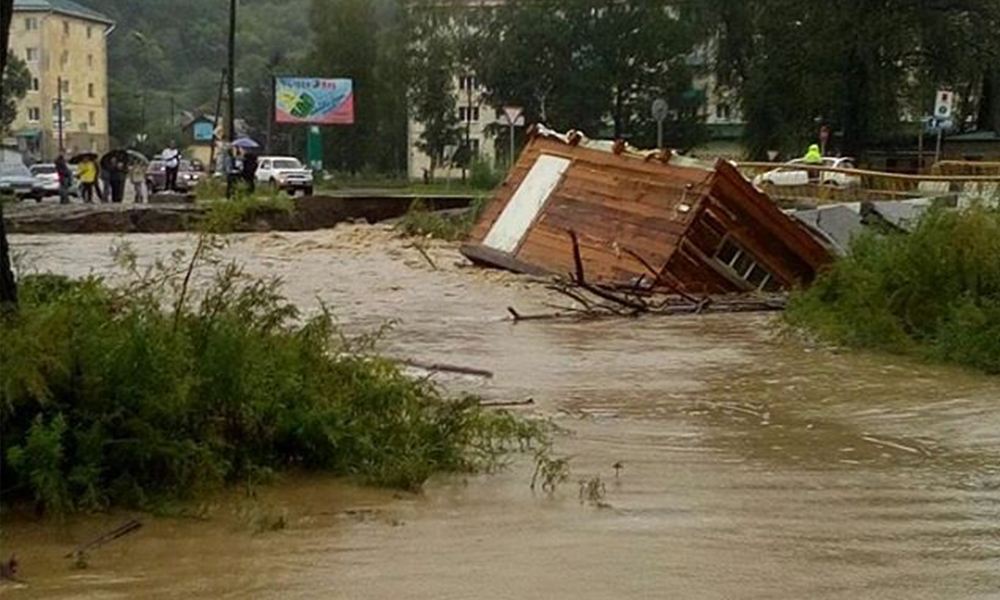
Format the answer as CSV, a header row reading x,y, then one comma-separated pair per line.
x,y
934,291
482,176
420,221
135,395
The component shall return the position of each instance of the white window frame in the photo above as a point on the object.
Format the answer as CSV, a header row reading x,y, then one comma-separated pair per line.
x,y
34,114
32,55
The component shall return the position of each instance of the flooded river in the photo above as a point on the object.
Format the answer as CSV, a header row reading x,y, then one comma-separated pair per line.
x,y
752,465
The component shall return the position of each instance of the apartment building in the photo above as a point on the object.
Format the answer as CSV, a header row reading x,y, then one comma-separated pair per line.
x,y
65,47
474,118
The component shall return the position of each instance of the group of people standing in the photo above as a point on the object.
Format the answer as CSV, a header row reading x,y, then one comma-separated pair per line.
x,y
104,178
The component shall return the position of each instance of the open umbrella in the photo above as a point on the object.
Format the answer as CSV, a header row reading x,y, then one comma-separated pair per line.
x,y
245,143
114,160
83,156
137,158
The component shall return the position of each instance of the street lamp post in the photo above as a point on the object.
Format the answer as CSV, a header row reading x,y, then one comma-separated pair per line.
x,y
231,100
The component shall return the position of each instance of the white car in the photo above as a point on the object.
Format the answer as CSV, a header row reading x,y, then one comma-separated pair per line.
x,y
791,175
284,173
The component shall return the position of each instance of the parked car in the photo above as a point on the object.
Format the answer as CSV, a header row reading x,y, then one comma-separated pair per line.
x,y
47,180
187,176
793,175
17,180
284,173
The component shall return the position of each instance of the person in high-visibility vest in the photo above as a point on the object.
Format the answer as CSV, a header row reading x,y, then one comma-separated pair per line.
x,y
813,157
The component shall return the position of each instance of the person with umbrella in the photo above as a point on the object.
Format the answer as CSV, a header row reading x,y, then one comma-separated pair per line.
x,y
115,164
137,174
86,170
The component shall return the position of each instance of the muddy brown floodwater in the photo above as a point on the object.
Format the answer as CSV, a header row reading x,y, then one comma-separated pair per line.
x,y
753,465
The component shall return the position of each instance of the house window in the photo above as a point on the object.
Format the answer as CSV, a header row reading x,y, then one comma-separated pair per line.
x,y
67,114
468,83
90,90
723,112
34,114
31,24
92,118
64,59
90,60
90,32
36,85
31,54
474,147
746,267
64,84
65,27
468,113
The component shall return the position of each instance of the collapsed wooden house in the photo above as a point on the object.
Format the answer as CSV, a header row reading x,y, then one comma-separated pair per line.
x,y
641,218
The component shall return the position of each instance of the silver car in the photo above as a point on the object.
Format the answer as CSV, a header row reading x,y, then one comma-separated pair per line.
x,y
47,180
16,180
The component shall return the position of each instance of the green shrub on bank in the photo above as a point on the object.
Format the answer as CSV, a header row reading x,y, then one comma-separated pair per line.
x,y
134,395
482,176
421,221
934,291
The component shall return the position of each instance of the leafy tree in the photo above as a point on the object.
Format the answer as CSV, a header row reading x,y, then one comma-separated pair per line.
x,y
858,66
13,87
363,40
587,64
432,66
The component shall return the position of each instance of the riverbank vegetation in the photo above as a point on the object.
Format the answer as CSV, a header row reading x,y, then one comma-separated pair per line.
x,y
421,221
180,381
933,292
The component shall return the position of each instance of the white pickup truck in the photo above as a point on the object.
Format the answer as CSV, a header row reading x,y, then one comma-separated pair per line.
x,y
284,173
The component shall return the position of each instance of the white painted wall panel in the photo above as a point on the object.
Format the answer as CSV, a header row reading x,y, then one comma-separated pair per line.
x,y
522,210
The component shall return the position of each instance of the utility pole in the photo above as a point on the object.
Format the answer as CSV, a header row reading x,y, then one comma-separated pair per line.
x,y
271,113
59,104
231,100
215,122
468,126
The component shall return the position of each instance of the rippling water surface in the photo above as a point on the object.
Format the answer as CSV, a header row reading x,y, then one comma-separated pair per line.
x,y
753,466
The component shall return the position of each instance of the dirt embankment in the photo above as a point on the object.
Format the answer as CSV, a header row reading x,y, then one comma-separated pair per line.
x,y
309,213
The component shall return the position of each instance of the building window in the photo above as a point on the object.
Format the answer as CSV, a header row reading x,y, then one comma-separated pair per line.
x,y
31,54
474,147
36,85
92,118
64,59
34,114
90,60
67,114
468,113
90,90
723,112
90,32
65,27
468,83
64,84
746,267
31,24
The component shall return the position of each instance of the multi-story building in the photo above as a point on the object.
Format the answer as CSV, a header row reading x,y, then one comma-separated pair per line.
x,y
65,47
474,119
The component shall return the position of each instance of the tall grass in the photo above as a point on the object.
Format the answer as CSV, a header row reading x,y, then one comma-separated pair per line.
x,y
160,389
421,221
934,291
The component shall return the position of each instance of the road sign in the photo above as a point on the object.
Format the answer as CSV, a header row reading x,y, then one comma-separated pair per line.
x,y
944,104
660,109
513,116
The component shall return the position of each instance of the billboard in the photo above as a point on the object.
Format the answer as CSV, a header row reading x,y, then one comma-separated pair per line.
x,y
314,101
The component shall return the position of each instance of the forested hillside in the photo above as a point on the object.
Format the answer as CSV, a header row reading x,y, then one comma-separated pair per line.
x,y
170,55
